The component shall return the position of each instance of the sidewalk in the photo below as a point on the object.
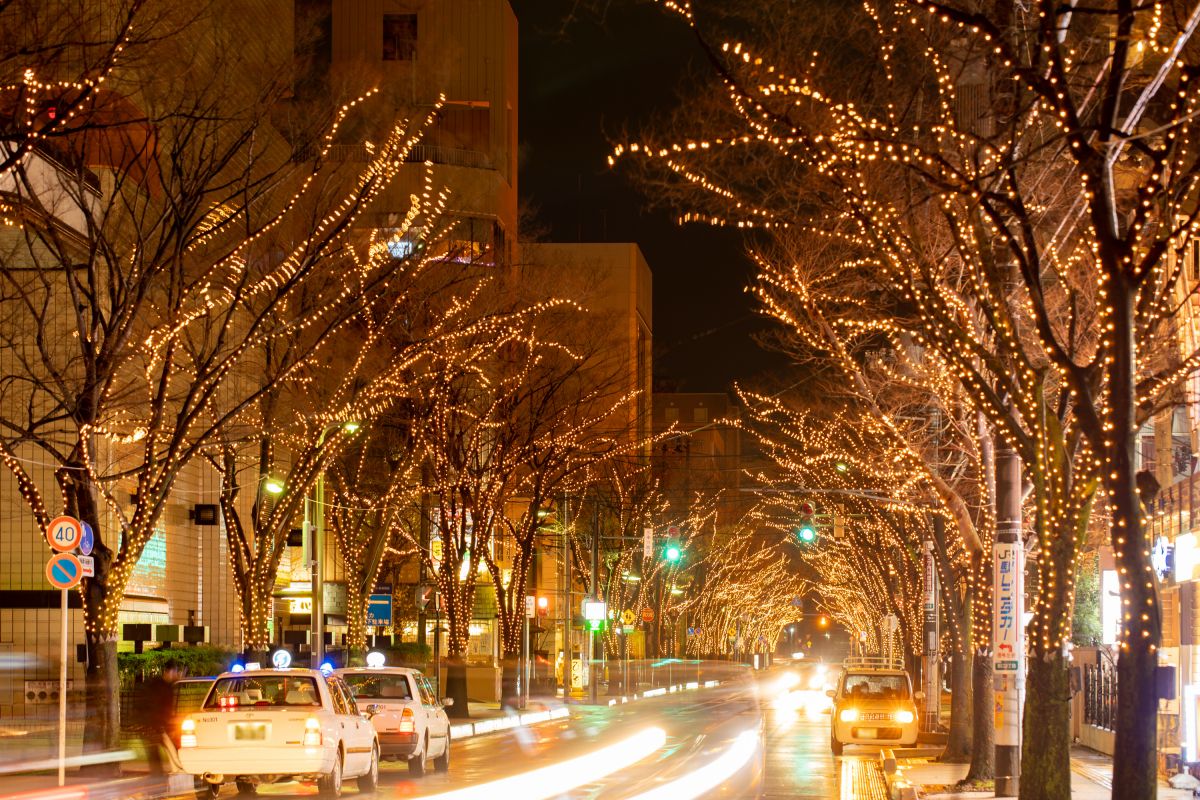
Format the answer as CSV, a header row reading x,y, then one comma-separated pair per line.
x,y
1091,779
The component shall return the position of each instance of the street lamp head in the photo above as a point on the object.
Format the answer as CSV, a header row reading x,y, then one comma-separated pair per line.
x,y
841,466
273,486
351,426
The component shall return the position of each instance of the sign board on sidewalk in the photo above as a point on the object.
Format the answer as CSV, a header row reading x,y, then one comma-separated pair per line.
x,y
594,609
627,617
647,614
64,571
64,533
530,605
87,542
647,542
379,610
89,566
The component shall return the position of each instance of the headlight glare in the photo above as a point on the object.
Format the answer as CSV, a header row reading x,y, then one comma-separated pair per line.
x,y
904,716
848,714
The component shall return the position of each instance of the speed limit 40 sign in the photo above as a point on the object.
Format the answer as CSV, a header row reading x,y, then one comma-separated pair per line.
x,y
64,533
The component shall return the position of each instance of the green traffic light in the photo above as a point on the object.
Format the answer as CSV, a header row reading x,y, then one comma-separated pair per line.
x,y
807,534
674,553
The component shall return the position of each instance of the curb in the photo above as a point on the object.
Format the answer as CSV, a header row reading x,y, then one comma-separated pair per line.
x,y
897,787
467,730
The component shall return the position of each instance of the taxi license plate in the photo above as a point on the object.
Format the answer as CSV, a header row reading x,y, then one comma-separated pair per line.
x,y
868,733
250,731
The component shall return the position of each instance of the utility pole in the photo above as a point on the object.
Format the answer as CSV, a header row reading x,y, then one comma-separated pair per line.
x,y
1008,636
568,650
933,689
423,537
592,677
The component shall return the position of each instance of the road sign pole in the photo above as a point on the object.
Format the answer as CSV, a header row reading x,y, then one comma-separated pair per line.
x,y
62,694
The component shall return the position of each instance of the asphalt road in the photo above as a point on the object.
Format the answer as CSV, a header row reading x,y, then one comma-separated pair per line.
x,y
703,739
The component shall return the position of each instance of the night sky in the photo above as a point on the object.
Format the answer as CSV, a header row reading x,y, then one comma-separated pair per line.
x,y
581,87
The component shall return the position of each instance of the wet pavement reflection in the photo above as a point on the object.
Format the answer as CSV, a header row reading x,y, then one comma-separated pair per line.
x,y
701,728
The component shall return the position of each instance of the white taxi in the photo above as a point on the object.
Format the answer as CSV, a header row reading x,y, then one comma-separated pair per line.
x,y
275,725
410,722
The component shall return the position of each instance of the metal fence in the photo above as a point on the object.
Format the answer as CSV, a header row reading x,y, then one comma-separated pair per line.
x,y
1100,694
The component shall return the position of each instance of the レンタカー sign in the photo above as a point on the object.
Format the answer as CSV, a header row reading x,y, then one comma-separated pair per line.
x,y
1007,636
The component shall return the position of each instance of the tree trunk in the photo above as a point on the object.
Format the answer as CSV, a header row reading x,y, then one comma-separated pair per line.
x,y
1135,772
983,734
456,687
256,618
510,672
958,746
356,616
1046,733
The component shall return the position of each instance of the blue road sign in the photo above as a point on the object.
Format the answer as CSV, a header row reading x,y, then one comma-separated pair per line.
x,y
64,571
379,610
88,540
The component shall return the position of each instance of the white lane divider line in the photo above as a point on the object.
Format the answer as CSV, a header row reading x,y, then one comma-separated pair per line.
x,y
560,778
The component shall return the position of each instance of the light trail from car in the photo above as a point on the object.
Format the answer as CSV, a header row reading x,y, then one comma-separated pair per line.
x,y
560,778
710,776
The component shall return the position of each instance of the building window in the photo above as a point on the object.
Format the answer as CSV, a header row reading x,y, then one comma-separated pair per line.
x,y
1193,257
700,414
399,37
471,240
671,414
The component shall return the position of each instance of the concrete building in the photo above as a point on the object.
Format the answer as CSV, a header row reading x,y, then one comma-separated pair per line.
x,y
461,53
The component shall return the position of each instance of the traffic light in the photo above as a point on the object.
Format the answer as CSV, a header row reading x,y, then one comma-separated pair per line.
x,y
806,530
673,553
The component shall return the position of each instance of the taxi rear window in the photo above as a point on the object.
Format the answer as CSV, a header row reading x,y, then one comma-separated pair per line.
x,y
264,691
189,695
875,686
366,686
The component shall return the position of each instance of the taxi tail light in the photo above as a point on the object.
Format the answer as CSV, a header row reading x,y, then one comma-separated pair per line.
x,y
408,721
905,716
229,701
312,732
187,733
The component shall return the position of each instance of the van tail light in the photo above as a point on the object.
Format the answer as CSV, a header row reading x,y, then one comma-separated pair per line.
x,y
312,732
408,721
187,733
229,701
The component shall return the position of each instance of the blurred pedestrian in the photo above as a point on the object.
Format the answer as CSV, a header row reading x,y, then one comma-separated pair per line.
x,y
157,705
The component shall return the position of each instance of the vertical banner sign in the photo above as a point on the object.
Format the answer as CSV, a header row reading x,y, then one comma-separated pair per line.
x,y
647,542
933,690
930,603
1008,642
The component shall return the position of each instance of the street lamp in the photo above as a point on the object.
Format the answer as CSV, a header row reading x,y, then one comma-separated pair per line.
x,y
273,486
318,543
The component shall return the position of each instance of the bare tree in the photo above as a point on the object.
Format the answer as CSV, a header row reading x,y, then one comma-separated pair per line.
x,y
146,265
1052,152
